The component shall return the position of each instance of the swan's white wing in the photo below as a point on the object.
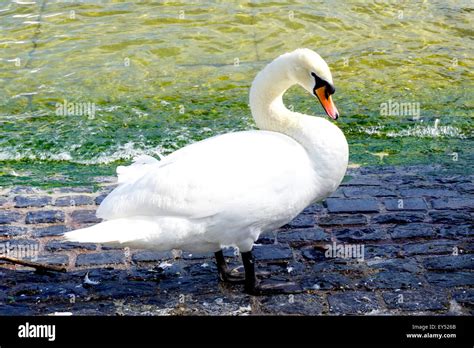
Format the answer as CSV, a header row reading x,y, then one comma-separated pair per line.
x,y
244,170
140,166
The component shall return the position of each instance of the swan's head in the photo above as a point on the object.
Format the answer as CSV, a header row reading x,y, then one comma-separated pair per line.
x,y
310,71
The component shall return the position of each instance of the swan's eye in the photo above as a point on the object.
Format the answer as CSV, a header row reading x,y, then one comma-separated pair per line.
x,y
319,82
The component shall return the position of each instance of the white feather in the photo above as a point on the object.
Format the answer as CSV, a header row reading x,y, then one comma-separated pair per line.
x,y
140,166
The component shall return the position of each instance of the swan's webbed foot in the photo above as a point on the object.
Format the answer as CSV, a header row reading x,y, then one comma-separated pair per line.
x,y
232,277
272,288
249,279
226,275
254,287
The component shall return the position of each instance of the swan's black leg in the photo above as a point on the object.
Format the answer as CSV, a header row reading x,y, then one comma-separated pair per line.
x,y
221,264
250,277
224,274
253,287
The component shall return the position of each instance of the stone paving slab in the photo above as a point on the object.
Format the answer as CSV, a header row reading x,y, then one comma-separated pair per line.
x,y
391,240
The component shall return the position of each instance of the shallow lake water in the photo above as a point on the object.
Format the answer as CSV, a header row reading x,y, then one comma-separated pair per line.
x,y
151,77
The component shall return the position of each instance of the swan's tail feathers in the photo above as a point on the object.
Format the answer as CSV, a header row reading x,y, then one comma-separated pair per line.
x,y
136,170
118,231
163,233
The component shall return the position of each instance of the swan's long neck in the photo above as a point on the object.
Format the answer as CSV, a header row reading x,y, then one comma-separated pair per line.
x,y
266,99
269,111
323,141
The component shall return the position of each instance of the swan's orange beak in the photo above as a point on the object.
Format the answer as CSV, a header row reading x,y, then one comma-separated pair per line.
x,y
327,103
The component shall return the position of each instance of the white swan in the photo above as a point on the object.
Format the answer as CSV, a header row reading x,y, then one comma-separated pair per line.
x,y
228,189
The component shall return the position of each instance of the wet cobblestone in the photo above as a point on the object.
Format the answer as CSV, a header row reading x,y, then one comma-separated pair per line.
x,y
339,220
47,217
55,230
65,201
303,236
12,231
25,201
405,204
415,224
7,217
412,231
85,217
353,302
103,258
416,300
354,205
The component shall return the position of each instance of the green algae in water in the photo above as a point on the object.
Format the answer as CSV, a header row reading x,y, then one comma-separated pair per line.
x,y
165,75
